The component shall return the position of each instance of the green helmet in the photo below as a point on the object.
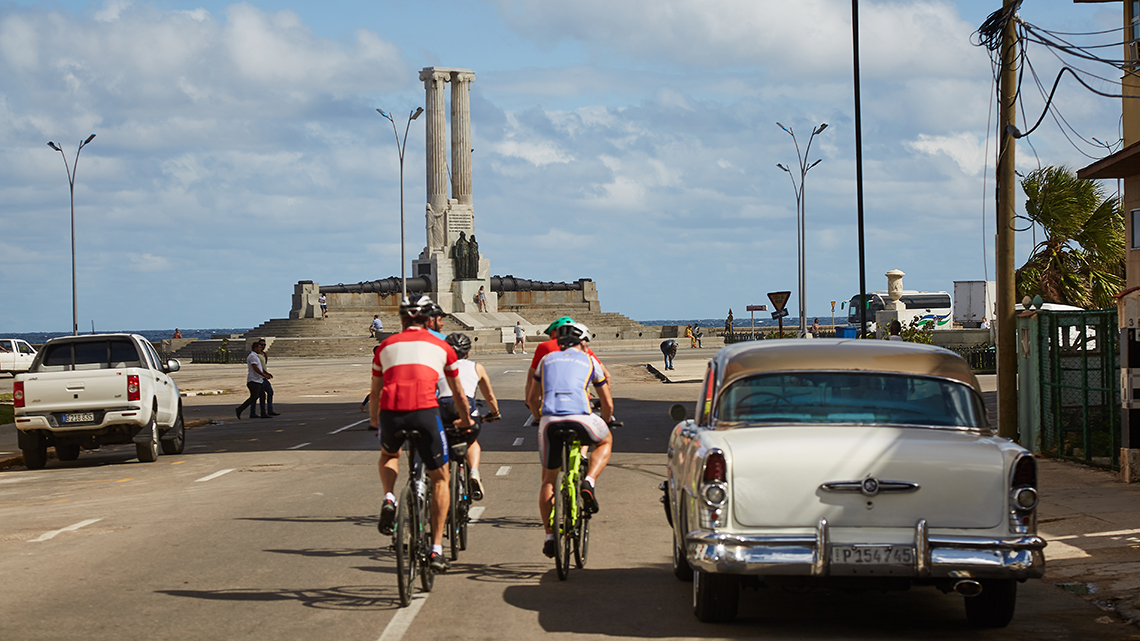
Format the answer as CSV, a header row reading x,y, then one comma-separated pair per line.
x,y
565,320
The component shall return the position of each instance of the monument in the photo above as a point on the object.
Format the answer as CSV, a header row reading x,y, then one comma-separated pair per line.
x,y
451,259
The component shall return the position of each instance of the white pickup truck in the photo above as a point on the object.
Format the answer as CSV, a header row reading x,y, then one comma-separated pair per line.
x,y
16,355
101,389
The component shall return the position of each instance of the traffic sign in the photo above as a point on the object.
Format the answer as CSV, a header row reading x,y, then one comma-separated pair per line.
x,y
779,299
780,313
757,308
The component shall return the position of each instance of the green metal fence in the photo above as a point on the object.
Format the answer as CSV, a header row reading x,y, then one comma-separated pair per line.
x,y
1079,383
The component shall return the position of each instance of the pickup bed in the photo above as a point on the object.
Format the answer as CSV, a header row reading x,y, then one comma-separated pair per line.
x,y
102,389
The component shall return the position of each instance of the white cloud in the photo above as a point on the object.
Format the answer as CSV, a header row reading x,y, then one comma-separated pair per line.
x,y
150,263
962,147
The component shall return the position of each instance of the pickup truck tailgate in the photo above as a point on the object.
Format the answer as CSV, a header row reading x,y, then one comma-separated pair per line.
x,y
74,391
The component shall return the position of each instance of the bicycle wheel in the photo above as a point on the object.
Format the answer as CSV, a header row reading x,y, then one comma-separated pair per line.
x,y
582,536
452,531
404,540
562,527
464,505
423,516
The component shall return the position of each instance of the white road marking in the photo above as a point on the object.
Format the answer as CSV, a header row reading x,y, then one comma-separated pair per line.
x,y
297,447
214,475
518,441
341,429
503,471
514,371
400,623
475,512
51,535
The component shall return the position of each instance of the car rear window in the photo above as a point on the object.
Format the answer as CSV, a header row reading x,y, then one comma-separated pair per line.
x,y
95,354
850,397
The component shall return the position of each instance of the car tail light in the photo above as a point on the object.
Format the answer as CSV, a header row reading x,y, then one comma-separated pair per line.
x,y
18,394
715,468
133,387
1023,495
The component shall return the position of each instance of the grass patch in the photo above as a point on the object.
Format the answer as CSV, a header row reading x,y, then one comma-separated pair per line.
x,y
7,414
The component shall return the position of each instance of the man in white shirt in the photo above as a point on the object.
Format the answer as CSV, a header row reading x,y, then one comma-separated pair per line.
x,y
253,380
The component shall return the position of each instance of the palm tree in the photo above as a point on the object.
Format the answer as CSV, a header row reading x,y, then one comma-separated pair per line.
x,y
1081,259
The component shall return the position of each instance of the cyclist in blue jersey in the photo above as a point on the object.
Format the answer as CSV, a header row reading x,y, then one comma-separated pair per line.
x,y
559,395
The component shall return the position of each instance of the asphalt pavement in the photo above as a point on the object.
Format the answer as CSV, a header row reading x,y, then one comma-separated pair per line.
x,y
266,529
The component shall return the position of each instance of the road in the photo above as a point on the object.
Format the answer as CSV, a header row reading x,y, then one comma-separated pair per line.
x,y
266,529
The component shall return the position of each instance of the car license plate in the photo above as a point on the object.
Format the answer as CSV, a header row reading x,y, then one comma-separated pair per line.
x,y
79,417
872,555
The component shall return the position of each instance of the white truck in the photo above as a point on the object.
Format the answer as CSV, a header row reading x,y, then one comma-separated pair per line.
x,y
16,355
101,389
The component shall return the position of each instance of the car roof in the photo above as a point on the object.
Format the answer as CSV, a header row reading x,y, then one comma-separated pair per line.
x,y
828,354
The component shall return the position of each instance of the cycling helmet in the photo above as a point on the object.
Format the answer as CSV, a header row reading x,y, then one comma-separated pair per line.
x,y
558,323
417,307
461,343
571,334
432,310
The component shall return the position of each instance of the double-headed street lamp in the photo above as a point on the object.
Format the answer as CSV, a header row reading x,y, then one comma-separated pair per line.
x,y
71,184
801,250
400,146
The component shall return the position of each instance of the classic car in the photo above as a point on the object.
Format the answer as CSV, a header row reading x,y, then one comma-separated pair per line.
x,y
850,464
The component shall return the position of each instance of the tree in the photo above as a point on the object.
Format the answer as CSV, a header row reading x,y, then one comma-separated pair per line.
x,y
1081,259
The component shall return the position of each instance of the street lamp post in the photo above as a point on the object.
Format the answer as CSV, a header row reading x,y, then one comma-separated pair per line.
x,y
801,249
400,146
71,185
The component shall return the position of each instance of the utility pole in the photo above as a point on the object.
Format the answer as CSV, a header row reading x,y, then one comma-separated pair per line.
x,y
1004,244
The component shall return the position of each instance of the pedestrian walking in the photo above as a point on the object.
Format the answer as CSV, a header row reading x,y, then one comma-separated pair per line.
x,y
324,305
254,377
266,397
520,338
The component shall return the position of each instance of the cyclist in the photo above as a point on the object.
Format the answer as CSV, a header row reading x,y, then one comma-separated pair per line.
x,y
473,376
434,323
405,373
558,395
547,347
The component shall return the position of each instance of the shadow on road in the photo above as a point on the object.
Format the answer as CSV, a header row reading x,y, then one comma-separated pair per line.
x,y
349,597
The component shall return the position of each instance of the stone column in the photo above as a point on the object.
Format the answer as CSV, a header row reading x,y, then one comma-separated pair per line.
x,y
436,139
461,136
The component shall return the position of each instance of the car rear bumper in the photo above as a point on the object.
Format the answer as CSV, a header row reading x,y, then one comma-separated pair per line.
x,y
52,422
936,557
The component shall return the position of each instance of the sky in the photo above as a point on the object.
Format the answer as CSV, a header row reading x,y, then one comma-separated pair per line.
x,y
238,149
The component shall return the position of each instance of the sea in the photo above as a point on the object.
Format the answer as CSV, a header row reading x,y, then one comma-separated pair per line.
x,y
737,321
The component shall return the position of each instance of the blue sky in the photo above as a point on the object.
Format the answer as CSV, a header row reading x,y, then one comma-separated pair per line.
x,y
238,150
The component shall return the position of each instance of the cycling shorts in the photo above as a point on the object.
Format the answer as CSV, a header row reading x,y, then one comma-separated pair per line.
x,y
448,415
432,445
590,427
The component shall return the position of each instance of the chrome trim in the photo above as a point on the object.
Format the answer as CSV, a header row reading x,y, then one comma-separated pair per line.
x,y
870,486
921,549
822,550
806,555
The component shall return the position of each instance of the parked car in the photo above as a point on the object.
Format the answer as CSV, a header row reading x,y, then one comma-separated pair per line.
x,y
853,464
93,390
16,355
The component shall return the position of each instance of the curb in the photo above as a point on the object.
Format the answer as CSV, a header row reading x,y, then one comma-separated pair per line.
x,y
665,379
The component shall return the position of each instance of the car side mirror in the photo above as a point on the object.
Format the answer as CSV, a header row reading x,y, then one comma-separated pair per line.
x,y
172,365
677,412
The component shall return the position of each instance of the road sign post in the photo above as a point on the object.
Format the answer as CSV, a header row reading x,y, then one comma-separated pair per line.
x,y
753,309
779,299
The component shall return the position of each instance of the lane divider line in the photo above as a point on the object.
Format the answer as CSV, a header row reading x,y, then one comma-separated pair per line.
x,y
214,475
297,447
518,441
474,513
339,430
503,471
400,623
71,528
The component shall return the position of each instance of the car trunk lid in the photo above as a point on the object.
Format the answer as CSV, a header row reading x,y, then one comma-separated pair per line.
x,y
777,474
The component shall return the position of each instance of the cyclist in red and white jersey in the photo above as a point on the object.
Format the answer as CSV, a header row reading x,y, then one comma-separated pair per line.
x,y
405,371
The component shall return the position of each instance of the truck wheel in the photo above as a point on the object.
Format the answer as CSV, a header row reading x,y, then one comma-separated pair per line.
x,y
148,451
715,596
993,608
35,457
174,440
68,452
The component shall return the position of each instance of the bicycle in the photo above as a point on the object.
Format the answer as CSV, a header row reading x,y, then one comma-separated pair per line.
x,y
458,513
412,533
570,519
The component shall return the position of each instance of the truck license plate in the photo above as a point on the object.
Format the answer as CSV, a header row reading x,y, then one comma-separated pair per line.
x,y
79,417
872,555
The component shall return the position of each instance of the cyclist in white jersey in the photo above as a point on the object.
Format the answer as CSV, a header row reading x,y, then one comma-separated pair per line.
x,y
560,392
473,376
